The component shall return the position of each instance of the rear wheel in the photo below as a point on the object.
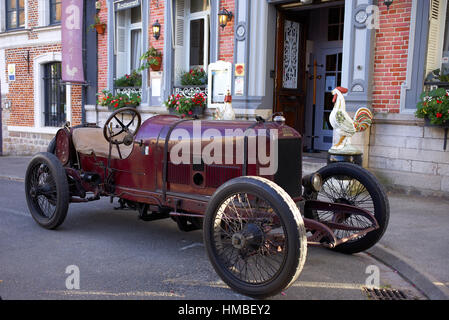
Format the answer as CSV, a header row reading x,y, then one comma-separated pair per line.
x,y
353,185
47,190
255,236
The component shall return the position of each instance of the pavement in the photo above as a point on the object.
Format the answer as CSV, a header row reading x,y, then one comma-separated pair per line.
x,y
121,257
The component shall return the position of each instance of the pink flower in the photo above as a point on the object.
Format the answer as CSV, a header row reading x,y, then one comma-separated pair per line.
x,y
190,112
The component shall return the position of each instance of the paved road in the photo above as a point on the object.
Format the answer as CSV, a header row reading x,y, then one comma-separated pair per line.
x,y
121,257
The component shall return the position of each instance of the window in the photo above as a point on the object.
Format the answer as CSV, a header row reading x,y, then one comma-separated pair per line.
x,y
128,41
335,24
55,11
436,44
192,35
15,14
55,96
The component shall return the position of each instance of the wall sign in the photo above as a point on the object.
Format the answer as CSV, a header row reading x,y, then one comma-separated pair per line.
x,y
11,72
126,4
220,77
72,41
240,70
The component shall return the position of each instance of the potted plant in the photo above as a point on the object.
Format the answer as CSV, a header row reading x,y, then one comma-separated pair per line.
x,y
198,103
119,100
194,77
152,59
184,106
129,80
98,25
433,107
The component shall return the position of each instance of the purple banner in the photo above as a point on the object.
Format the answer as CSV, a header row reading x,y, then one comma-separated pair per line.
x,y
72,41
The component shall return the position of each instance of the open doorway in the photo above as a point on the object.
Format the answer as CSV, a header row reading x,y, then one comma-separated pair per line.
x,y
309,50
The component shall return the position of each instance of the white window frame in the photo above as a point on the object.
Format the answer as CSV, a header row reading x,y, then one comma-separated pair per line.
x,y
196,16
128,28
39,63
133,26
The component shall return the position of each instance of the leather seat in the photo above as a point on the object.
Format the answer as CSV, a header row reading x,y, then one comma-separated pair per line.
x,y
91,141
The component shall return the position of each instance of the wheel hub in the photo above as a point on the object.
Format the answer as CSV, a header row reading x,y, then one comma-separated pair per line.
x,y
251,236
238,241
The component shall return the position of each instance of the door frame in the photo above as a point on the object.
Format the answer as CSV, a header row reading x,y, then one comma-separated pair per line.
x,y
300,92
320,55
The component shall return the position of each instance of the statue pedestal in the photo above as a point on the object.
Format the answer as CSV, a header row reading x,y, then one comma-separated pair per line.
x,y
356,158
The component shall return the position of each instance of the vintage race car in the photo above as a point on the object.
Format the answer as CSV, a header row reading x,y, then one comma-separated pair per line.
x,y
256,223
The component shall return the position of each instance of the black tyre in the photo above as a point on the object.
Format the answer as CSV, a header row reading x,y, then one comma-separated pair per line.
x,y
52,146
353,185
255,236
47,190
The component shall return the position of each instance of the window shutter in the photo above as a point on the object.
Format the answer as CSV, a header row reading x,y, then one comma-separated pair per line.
x,y
121,44
437,21
179,25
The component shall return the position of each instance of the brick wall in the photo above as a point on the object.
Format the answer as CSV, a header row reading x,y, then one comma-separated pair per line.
x,y
21,91
102,45
226,36
391,52
157,9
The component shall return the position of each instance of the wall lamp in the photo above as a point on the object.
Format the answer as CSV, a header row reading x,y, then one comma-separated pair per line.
x,y
388,3
224,16
156,30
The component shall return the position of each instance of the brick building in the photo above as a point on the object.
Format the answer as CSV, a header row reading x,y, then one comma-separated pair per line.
x,y
34,106
381,55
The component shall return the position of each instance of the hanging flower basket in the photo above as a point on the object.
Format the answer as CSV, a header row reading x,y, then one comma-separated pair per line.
x,y
428,123
100,28
156,66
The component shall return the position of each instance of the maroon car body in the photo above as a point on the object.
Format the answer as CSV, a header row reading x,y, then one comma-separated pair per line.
x,y
280,212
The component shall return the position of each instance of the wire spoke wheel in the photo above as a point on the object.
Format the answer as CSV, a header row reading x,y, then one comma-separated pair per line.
x,y
43,190
346,190
47,190
255,236
349,184
249,238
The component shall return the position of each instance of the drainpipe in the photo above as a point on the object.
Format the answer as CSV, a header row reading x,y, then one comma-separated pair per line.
x,y
84,88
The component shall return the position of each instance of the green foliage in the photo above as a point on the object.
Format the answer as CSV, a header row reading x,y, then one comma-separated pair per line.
x,y
434,105
195,77
119,100
183,105
129,80
149,59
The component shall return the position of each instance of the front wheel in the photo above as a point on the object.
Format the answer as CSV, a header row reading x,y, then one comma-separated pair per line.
x,y
255,236
353,185
47,190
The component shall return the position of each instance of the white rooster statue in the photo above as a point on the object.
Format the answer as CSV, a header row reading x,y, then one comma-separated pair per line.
x,y
344,126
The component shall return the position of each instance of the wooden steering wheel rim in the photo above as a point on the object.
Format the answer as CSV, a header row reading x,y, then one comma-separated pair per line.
x,y
113,115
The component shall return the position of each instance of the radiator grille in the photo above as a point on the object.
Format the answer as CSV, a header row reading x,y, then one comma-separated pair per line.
x,y
179,173
217,175
289,171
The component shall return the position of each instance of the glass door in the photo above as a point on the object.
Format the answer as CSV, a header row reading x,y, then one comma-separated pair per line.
x,y
332,60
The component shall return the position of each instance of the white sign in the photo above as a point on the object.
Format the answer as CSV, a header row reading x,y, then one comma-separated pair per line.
x,y
11,72
219,82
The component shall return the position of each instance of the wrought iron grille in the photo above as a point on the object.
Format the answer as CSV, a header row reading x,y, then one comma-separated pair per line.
x,y
55,96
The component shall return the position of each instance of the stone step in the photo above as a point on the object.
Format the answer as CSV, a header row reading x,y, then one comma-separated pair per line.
x,y
312,164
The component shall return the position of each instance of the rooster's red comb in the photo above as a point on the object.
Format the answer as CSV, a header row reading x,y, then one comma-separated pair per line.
x,y
342,90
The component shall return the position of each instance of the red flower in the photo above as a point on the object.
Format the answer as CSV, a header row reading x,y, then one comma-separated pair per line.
x,y
439,101
116,105
439,115
190,112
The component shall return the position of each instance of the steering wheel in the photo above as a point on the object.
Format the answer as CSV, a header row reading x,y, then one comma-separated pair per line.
x,y
124,135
